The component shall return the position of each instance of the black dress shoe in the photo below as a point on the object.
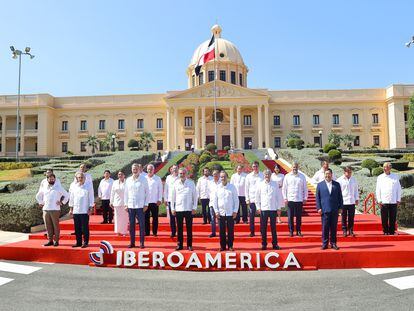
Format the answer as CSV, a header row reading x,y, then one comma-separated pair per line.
x,y
178,248
204,222
335,247
344,233
291,234
142,246
84,245
155,235
299,234
103,222
251,235
222,249
48,244
245,222
131,245
190,248
231,249
56,243
264,247
351,233
172,235
324,247
76,245
276,247
212,236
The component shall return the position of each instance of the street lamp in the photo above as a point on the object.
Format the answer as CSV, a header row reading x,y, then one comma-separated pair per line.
x,y
18,54
320,138
408,44
113,142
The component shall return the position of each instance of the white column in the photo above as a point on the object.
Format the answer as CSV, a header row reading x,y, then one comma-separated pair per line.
x,y
167,132
232,142
259,126
196,129
175,129
266,124
203,127
239,131
3,135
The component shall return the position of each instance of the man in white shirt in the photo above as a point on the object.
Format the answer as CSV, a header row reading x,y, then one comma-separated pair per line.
x,y
350,195
184,205
320,175
168,187
238,179
388,194
252,180
203,186
104,193
155,198
50,198
213,185
225,202
45,182
81,203
267,202
136,198
88,177
295,194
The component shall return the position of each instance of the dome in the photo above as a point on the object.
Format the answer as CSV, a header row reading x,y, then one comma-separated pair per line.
x,y
226,50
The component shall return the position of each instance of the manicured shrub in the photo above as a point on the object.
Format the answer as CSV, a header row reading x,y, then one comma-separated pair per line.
x,y
204,158
400,165
377,171
335,156
211,147
299,143
329,147
370,164
409,157
226,148
407,180
291,142
211,166
15,165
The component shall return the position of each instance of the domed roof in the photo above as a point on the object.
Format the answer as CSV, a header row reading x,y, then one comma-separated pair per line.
x,y
226,50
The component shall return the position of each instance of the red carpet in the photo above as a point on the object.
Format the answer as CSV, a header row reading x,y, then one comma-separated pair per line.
x,y
369,249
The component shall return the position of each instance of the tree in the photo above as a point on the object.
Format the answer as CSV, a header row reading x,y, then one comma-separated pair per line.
x,y
369,164
107,141
291,136
348,139
145,140
334,138
93,142
133,144
411,118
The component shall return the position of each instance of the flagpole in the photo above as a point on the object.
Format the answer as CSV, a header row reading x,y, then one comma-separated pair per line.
x,y
215,91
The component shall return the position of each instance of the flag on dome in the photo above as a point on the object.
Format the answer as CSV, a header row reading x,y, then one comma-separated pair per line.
x,y
208,55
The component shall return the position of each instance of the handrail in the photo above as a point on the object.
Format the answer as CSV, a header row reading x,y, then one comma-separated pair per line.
x,y
370,199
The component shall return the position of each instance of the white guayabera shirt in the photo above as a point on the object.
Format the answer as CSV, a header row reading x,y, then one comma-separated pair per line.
x,y
388,189
252,180
266,196
225,200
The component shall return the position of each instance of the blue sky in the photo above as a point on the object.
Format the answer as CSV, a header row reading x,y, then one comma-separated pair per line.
x,y
135,47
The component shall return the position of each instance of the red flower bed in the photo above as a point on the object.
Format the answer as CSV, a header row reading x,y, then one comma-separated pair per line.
x,y
238,158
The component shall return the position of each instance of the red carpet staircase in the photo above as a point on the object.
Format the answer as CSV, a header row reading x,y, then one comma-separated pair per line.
x,y
368,249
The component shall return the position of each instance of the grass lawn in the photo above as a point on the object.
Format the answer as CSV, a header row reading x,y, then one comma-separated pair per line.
x,y
227,167
11,175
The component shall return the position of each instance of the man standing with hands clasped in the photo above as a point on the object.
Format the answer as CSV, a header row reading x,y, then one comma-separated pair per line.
x,y
328,203
226,204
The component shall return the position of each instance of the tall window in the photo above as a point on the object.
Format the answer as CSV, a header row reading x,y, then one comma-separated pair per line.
x,y
376,140
64,126
121,124
355,119
375,119
315,119
36,125
64,147
222,75
83,125
356,141
405,117
188,121
121,145
247,120
335,119
277,142
241,79
101,125
159,124
210,75
160,145
276,120
296,120
233,77
201,78
1,125
140,124
83,146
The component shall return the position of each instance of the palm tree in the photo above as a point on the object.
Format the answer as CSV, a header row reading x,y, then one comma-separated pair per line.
x,y
145,140
106,142
348,140
92,141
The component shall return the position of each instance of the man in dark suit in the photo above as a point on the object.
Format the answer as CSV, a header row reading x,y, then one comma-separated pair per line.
x,y
328,202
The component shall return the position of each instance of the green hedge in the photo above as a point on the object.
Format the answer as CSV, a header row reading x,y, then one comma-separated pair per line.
x,y
251,157
162,173
405,214
14,165
400,165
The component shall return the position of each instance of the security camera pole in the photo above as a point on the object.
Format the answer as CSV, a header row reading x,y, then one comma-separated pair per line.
x,y
18,54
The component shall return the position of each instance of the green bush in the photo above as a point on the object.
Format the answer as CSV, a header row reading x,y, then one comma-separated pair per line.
x,y
211,147
299,143
329,147
211,166
335,156
370,164
405,215
14,165
409,157
162,173
400,165
227,148
291,143
205,158
407,180
193,158
377,171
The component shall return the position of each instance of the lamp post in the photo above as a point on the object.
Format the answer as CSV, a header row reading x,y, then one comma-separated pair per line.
x,y
320,138
18,54
113,142
408,44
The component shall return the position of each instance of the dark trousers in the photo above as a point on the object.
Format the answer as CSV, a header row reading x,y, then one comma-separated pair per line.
x,y
152,211
388,217
252,214
264,216
81,222
107,212
189,226
173,221
243,207
205,210
348,214
226,222
295,210
213,221
136,213
329,224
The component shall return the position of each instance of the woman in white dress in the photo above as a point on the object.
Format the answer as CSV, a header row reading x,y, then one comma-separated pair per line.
x,y
278,177
117,203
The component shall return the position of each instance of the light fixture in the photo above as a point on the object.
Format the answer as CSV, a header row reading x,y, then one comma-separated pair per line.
x,y
27,49
408,44
12,48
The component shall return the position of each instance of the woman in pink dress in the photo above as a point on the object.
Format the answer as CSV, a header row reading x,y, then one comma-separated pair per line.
x,y
117,203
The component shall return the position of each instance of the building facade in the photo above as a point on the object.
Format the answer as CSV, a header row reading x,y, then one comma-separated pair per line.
x,y
246,117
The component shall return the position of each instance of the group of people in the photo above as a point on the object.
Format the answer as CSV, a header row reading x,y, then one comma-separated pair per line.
x,y
223,200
